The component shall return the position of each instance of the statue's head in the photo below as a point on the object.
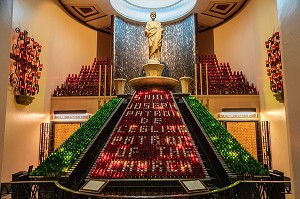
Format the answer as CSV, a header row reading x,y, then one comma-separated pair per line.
x,y
153,15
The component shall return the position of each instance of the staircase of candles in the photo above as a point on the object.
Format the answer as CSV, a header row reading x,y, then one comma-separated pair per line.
x,y
150,141
218,78
63,160
86,83
237,159
149,147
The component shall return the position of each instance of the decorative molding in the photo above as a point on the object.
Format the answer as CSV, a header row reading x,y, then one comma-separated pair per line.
x,y
81,11
202,27
220,10
86,12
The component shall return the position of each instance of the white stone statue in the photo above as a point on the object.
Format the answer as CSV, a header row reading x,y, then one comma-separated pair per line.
x,y
154,32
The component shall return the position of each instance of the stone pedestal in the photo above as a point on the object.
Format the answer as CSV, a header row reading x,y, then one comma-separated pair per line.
x,y
185,84
119,85
153,79
153,69
156,82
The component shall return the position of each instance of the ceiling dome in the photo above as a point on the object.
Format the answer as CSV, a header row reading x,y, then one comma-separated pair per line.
x,y
166,10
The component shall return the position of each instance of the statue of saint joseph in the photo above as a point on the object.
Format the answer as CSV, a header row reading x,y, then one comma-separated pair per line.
x,y
154,32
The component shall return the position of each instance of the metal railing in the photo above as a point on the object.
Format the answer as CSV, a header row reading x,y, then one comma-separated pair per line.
x,y
55,190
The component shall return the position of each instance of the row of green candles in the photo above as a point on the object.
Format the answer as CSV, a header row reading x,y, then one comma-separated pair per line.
x,y
236,157
61,161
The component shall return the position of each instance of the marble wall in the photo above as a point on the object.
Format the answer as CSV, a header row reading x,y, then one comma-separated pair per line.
x,y
130,48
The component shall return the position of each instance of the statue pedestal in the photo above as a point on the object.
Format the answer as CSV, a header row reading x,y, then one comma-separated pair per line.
x,y
119,85
185,84
153,69
153,79
154,82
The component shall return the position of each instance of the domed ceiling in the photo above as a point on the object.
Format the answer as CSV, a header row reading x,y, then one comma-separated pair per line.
x,y
97,13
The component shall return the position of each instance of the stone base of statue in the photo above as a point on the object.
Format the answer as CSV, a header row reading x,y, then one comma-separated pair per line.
x,y
153,79
153,61
153,82
153,69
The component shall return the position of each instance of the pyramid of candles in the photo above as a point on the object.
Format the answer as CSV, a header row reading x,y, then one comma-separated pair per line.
x,y
236,157
150,141
86,83
63,160
218,79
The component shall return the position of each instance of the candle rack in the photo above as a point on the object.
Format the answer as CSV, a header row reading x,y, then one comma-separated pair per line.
x,y
274,66
215,78
26,67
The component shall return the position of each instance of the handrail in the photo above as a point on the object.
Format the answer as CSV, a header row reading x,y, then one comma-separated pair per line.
x,y
177,195
231,188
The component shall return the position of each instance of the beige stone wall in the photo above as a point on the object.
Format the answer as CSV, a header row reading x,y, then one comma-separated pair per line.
x,y
5,30
289,15
67,45
241,42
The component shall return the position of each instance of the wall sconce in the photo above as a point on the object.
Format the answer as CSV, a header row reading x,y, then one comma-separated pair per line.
x,y
25,67
274,66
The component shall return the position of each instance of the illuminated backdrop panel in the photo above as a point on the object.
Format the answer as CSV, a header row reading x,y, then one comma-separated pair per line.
x,y
130,49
